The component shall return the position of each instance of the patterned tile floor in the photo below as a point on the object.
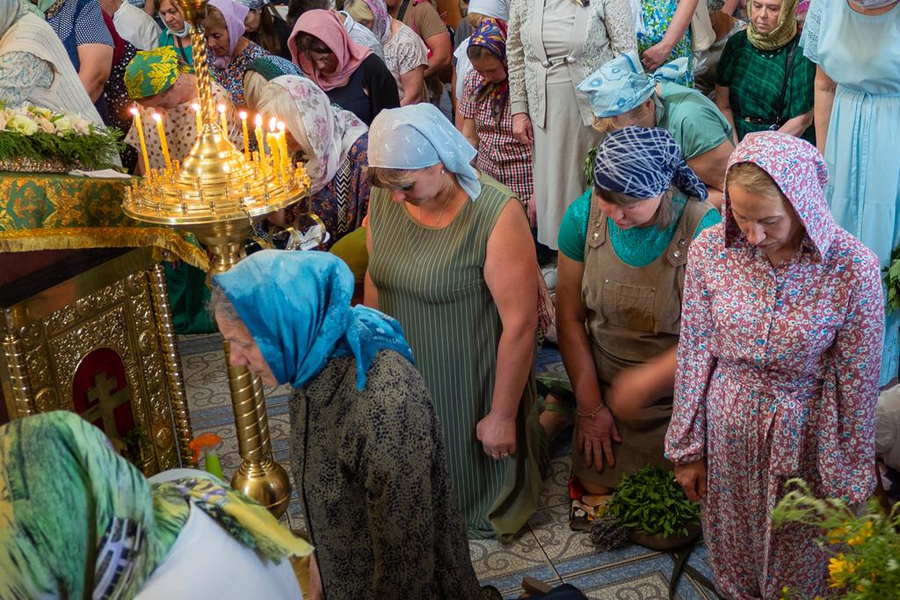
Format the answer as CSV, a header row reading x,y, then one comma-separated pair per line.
x,y
546,549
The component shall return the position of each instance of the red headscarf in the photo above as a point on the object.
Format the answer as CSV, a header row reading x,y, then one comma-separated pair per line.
x,y
326,26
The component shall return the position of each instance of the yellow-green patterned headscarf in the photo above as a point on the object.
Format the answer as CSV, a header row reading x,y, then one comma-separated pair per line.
x,y
153,71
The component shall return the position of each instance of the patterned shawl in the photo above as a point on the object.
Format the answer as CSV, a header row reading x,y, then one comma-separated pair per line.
x,y
325,132
783,33
302,318
381,26
491,34
153,71
800,173
643,163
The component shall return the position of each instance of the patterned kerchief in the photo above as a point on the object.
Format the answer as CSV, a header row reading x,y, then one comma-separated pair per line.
x,y
643,163
621,84
153,71
491,34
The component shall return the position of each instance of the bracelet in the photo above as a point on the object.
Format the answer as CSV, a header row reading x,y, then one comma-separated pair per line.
x,y
589,415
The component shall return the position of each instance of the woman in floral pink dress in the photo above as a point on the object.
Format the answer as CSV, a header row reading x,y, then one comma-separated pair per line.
x,y
778,366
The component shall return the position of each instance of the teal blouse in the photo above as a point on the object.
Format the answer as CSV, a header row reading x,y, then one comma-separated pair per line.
x,y
637,246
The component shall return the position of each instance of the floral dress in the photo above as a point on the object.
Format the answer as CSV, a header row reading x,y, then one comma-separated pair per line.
x,y
657,17
232,77
777,378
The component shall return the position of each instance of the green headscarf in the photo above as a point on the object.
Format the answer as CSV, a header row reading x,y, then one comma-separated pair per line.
x,y
79,521
783,33
153,71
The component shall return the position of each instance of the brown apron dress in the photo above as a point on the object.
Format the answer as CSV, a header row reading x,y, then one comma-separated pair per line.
x,y
633,315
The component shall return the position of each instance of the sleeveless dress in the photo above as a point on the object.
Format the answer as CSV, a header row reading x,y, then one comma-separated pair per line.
x,y
432,281
633,314
861,53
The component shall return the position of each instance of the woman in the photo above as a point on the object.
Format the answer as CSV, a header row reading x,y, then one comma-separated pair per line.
x,y
764,82
623,249
487,122
159,82
405,54
79,25
777,368
82,522
266,28
551,47
621,95
349,74
665,35
331,142
232,53
856,50
34,67
367,451
450,256
117,98
178,32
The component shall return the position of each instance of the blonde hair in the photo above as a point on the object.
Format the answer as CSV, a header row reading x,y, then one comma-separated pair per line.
x,y
610,124
359,10
754,179
389,179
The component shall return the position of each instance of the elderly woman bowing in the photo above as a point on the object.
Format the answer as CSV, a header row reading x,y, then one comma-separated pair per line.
x,y
452,259
367,450
232,53
777,367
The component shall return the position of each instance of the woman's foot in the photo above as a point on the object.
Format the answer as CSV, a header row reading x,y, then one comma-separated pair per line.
x,y
557,414
587,504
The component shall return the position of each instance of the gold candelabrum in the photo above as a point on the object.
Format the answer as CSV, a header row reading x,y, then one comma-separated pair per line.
x,y
215,194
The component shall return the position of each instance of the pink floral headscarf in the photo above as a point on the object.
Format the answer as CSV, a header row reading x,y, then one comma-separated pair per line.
x,y
326,26
799,171
234,14
325,132
382,25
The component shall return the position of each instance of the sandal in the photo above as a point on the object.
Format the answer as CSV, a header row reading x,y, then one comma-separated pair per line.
x,y
535,587
579,517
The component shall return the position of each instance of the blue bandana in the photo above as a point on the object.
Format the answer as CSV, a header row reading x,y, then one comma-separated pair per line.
x,y
643,163
296,306
621,84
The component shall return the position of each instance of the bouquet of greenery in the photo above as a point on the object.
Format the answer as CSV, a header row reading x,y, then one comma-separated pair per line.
x,y
38,134
866,549
892,280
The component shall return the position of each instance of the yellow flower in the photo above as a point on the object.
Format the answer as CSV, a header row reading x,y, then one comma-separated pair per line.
x,y
837,535
864,533
840,569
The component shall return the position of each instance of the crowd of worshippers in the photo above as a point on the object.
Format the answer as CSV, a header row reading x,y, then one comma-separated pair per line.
x,y
693,200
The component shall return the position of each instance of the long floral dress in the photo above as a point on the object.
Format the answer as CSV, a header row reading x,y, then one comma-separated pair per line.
x,y
777,378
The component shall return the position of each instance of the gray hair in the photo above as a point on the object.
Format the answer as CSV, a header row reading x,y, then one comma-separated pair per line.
x,y
220,305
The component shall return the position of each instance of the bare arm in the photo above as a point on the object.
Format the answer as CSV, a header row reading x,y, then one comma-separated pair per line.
x,y
96,63
797,125
638,387
655,56
441,51
824,88
150,7
412,85
729,7
468,131
370,295
723,101
511,277
710,168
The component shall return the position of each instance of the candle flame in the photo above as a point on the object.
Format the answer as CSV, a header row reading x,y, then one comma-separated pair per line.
x,y
280,126
156,117
196,107
133,110
221,108
272,124
258,120
243,114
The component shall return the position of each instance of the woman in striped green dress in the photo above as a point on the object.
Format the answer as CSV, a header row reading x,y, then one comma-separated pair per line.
x,y
451,258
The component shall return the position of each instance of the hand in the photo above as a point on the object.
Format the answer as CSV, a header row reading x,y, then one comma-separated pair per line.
x,y
531,211
497,435
522,129
692,477
655,56
595,437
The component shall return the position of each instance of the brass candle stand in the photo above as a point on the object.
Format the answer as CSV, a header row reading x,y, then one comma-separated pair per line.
x,y
215,195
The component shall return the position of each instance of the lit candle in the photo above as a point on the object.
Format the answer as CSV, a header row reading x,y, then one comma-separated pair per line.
x,y
137,123
196,108
162,139
224,119
243,116
272,140
282,145
259,142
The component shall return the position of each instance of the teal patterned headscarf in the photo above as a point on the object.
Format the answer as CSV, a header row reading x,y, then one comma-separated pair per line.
x,y
296,306
621,84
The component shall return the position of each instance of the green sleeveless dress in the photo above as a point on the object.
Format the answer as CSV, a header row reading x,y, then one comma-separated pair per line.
x,y
432,281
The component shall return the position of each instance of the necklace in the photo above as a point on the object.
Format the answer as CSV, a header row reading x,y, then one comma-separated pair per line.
x,y
440,214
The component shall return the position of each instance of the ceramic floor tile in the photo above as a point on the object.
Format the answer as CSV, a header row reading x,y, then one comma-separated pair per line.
x,y
504,565
555,491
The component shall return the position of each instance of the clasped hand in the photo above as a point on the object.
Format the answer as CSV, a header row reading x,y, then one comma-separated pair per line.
x,y
497,435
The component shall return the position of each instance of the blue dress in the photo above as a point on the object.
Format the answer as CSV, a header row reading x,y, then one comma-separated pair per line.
x,y
861,53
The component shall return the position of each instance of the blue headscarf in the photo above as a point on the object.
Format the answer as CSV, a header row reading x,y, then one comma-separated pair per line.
x,y
621,84
419,136
296,306
643,163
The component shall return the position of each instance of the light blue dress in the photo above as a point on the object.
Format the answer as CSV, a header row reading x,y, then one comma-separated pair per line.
x,y
861,53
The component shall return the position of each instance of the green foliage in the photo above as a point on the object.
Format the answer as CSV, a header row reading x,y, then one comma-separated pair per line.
x,y
88,151
865,561
892,280
653,501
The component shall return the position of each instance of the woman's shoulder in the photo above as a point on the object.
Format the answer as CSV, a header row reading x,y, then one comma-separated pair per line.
x,y
393,384
849,256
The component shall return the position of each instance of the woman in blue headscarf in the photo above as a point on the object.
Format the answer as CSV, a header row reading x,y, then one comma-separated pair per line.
x,y
623,249
451,257
367,450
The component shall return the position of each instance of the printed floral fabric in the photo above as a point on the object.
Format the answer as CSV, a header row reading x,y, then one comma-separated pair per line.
x,y
657,16
232,77
777,378
403,52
